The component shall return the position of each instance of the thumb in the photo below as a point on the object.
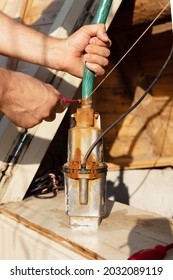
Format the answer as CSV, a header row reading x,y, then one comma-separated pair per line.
x,y
102,34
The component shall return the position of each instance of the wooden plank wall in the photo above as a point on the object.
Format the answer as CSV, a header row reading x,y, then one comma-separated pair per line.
x,y
145,137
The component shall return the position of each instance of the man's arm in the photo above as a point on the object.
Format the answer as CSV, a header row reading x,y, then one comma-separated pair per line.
x,y
24,43
89,44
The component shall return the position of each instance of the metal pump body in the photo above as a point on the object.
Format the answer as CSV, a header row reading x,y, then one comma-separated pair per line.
x,y
85,181
85,186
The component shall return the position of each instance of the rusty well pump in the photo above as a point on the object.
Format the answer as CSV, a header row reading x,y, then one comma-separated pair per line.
x,y
85,177
85,184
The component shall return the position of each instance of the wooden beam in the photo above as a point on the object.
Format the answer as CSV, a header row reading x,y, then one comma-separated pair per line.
x,y
156,128
140,163
3,4
137,12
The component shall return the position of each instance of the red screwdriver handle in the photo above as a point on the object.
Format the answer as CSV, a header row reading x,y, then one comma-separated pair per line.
x,y
157,253
65,100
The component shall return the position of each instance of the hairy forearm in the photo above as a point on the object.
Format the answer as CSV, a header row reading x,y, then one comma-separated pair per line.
x,y
4,78
88,44
24,43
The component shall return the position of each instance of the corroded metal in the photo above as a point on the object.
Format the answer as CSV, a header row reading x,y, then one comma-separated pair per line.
x,y
85,187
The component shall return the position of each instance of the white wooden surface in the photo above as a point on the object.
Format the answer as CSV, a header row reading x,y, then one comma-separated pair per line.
x,y
18,245
125,231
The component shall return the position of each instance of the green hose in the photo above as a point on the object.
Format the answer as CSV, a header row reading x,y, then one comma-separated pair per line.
x,y
88,78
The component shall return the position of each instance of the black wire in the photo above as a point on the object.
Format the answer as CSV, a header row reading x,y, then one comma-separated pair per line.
x,y
129,110
43,185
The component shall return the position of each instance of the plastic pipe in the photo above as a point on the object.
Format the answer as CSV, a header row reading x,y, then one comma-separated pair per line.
x,y
100,17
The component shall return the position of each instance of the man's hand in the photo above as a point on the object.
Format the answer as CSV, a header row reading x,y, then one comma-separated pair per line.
x,y
27,101
89,44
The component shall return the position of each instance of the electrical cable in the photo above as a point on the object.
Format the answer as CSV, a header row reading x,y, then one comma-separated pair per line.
x,y
129,110
50,182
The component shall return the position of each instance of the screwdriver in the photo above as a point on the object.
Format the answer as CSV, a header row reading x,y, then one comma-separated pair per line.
x,y
156,253
65,100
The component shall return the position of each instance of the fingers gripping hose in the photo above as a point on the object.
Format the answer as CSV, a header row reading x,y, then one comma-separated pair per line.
x,y
88,78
